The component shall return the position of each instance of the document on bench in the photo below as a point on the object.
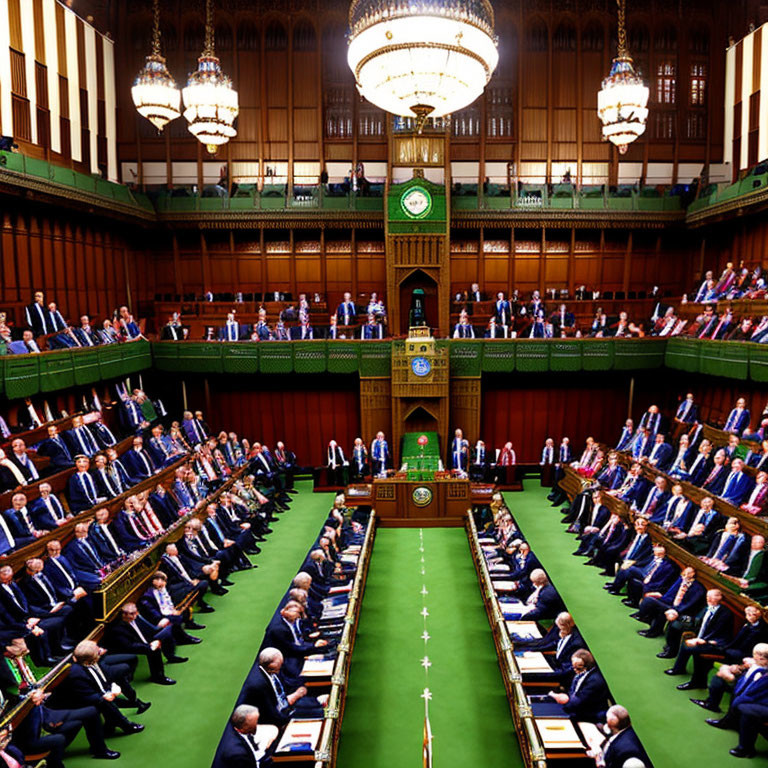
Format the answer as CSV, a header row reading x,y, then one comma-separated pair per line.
x,y
341,589
300,736
525,630
317,666
557,733
591,734
532,662
504,586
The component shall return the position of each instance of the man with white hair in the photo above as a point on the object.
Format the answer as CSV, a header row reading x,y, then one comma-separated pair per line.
x,y
276,700
245,742
622,748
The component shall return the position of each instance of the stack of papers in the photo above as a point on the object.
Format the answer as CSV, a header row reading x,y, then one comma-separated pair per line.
x,y
528,630
317,666
532,662
300,736
558,733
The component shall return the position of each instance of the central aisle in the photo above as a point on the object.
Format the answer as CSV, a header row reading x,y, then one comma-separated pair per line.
x,y
384,714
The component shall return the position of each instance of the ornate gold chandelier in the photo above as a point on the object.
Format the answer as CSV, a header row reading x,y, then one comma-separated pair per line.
x,y
622,102
210,101
154,91
422,58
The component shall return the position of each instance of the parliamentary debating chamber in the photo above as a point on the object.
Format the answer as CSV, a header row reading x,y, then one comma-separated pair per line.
x,y
337,338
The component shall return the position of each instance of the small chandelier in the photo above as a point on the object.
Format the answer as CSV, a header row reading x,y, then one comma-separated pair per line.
x,y
421,58
622,103
210,101
154,92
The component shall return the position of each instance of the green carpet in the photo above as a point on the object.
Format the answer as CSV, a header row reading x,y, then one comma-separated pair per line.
x,y
383,720
186,720
672,729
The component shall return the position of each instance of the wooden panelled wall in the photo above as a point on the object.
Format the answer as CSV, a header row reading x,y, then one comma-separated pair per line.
x,y
83,264
298,103
333,261
745,239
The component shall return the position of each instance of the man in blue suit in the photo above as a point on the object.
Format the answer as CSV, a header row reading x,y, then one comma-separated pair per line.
x,y
660,455
635,558
47,511
80,439
245,743
714,630
627,551
738,484
56,450
729,548
653,580
714,623
655,498
622,743
502,310
587,697
230,331
612,476
20,522
83,557
687,411
346,311
379,455
683,598
138,462
303,331
738,418
675,512
627,433
81,489
748,710
713,483
543,602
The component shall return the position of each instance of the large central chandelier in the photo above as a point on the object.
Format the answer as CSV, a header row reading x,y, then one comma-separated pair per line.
x,y
154,92
421,58
622,103
210,101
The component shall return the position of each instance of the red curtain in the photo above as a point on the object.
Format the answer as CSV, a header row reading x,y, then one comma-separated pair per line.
x,y
304,412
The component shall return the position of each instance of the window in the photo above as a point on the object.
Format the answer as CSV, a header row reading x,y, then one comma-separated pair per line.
x,y
467,122
666,82
698,85
696,125
499,113
665,125
338,113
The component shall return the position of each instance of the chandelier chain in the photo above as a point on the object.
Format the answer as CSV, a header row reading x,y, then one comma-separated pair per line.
x,y
209,41
156,28
622,31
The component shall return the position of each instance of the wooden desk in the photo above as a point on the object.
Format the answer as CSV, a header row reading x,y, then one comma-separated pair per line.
x,y
414,504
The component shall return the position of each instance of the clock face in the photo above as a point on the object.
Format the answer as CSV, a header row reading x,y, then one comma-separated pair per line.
x,y
416,202
421,366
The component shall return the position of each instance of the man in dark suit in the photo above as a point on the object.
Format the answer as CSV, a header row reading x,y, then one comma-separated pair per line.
x,y
245,743
47,511
674,514
738,418
622,743
14,604
591,517
542,603
106,485
107,689
481,463
459,454
346,311
587,696
713,626
53,730
80,439
138,462
81,488
104,538
22,460
303,331
729,547
502,310
230,331
652,580
660,455
157,606
704,523
84,558
748,710
636,568
285,633
19,520
753,632
43,601
182,577
683,598
60,574
132,633
37,316
623,554
713,483
56,449
276,700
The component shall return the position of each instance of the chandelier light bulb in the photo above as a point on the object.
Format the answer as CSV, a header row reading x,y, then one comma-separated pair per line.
x,y
210,101
622,102
422,58
154,92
